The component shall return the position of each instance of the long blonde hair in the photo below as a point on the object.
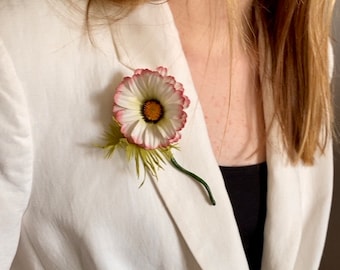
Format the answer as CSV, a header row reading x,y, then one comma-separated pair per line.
x,y
295,37
296,33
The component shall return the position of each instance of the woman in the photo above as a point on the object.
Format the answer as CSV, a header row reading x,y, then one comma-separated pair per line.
x,y
256,74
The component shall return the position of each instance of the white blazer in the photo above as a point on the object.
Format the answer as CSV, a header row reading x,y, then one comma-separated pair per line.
x,y
64,206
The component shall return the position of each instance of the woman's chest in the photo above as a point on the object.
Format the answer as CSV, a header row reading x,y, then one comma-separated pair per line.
x,y
232,105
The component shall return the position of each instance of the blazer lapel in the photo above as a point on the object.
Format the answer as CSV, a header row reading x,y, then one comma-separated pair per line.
x,y
283,228
148,38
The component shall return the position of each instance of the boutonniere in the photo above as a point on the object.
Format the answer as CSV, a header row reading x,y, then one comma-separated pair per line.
x,y
148,115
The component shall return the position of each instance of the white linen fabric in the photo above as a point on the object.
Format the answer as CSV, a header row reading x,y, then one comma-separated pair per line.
x,y
64,206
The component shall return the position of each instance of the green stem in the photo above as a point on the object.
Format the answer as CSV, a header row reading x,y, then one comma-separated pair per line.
x,y
195,177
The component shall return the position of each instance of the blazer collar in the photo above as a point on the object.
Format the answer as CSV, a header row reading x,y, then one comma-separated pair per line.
x,y
148,38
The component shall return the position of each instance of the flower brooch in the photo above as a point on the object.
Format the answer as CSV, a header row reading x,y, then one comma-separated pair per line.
x,y
148,114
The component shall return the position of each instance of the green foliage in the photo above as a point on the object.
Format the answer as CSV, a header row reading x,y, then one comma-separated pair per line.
x,y
151,159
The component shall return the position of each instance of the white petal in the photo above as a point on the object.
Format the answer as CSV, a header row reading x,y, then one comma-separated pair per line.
x,y
150,137
137,132
162,70
166,128
171,97
128,116
173,112
127,128
134,89
153,138
127,101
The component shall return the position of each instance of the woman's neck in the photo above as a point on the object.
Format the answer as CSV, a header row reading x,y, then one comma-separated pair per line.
x,y
199,15
208,22
207,12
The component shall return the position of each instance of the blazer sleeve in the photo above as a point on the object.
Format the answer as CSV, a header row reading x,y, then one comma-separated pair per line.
x,y
16,158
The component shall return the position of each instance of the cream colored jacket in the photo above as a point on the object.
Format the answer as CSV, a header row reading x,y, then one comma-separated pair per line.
x,y
64,206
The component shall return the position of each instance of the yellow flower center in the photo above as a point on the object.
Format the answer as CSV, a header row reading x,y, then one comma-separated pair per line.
x,y
152,111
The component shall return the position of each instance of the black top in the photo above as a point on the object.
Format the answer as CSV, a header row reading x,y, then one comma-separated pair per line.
x,y
247,189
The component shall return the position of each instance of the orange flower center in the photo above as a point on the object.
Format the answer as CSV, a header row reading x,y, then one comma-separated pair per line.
x,y
152,111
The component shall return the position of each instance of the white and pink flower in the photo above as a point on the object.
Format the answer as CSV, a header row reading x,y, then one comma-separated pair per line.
x,y
148,115
149,106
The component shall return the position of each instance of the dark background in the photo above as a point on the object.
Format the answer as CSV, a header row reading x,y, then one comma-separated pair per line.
x,y
331,257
